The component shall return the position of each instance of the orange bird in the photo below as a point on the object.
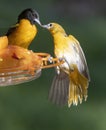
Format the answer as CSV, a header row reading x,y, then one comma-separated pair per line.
x,y
72,77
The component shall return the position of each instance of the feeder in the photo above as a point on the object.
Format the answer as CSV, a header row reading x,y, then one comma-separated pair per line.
x,y
19,65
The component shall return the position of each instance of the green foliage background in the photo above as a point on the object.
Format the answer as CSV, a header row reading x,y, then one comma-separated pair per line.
x,y
26,106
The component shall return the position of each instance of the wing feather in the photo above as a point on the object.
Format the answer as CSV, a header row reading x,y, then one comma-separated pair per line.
x,y
82,59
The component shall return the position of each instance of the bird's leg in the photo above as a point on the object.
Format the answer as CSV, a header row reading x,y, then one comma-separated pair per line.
x,y
50,59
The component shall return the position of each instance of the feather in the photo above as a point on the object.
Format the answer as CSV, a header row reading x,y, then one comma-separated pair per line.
x,y
58,93
82,59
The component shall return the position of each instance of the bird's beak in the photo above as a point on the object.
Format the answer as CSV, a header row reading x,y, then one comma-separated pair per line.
x,y
38,21
45,26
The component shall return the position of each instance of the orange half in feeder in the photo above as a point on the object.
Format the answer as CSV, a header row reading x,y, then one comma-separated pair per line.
x,y
19,65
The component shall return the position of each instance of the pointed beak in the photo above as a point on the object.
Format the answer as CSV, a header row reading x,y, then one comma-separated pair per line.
x,y
45,26
38,21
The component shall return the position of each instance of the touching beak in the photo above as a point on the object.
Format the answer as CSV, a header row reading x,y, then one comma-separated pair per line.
x,y
45,26
38,21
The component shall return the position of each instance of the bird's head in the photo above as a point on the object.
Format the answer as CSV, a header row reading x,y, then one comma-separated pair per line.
x,y
31,15
54,28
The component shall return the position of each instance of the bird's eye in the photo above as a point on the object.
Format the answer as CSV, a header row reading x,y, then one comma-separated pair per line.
x,y
50,25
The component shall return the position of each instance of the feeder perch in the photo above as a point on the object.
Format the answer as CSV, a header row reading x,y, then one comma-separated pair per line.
x,y
19,65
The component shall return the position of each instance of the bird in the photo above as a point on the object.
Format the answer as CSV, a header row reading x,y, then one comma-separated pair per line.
x,y
25,30
3,42
72,78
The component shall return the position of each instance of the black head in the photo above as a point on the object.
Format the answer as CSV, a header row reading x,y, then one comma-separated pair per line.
x,y
29,14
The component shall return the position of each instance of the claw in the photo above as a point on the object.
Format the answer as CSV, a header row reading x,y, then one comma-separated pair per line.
x,y
61,59
50,59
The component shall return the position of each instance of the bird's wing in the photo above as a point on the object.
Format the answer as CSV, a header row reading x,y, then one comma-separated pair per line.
x,y
82,59
11,29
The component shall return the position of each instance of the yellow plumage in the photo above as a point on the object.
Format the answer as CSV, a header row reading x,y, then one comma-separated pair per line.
x,y
25,29
23,34
3,42
71,81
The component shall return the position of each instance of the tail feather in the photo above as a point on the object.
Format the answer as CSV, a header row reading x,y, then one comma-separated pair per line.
x,y
77,87
58,93
71,88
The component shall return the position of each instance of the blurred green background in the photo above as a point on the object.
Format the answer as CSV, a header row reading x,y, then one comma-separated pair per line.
x,y
26,106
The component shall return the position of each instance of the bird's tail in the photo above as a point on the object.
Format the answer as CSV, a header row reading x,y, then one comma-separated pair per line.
x,y
58,93
77,87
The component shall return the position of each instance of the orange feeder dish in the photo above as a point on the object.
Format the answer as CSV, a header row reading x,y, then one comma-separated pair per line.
x,y
19,65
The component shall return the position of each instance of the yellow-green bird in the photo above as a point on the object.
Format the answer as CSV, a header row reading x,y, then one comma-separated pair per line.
x,y
25,29
72,77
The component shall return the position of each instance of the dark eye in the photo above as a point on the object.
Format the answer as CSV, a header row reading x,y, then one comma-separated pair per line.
x,y
50,24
